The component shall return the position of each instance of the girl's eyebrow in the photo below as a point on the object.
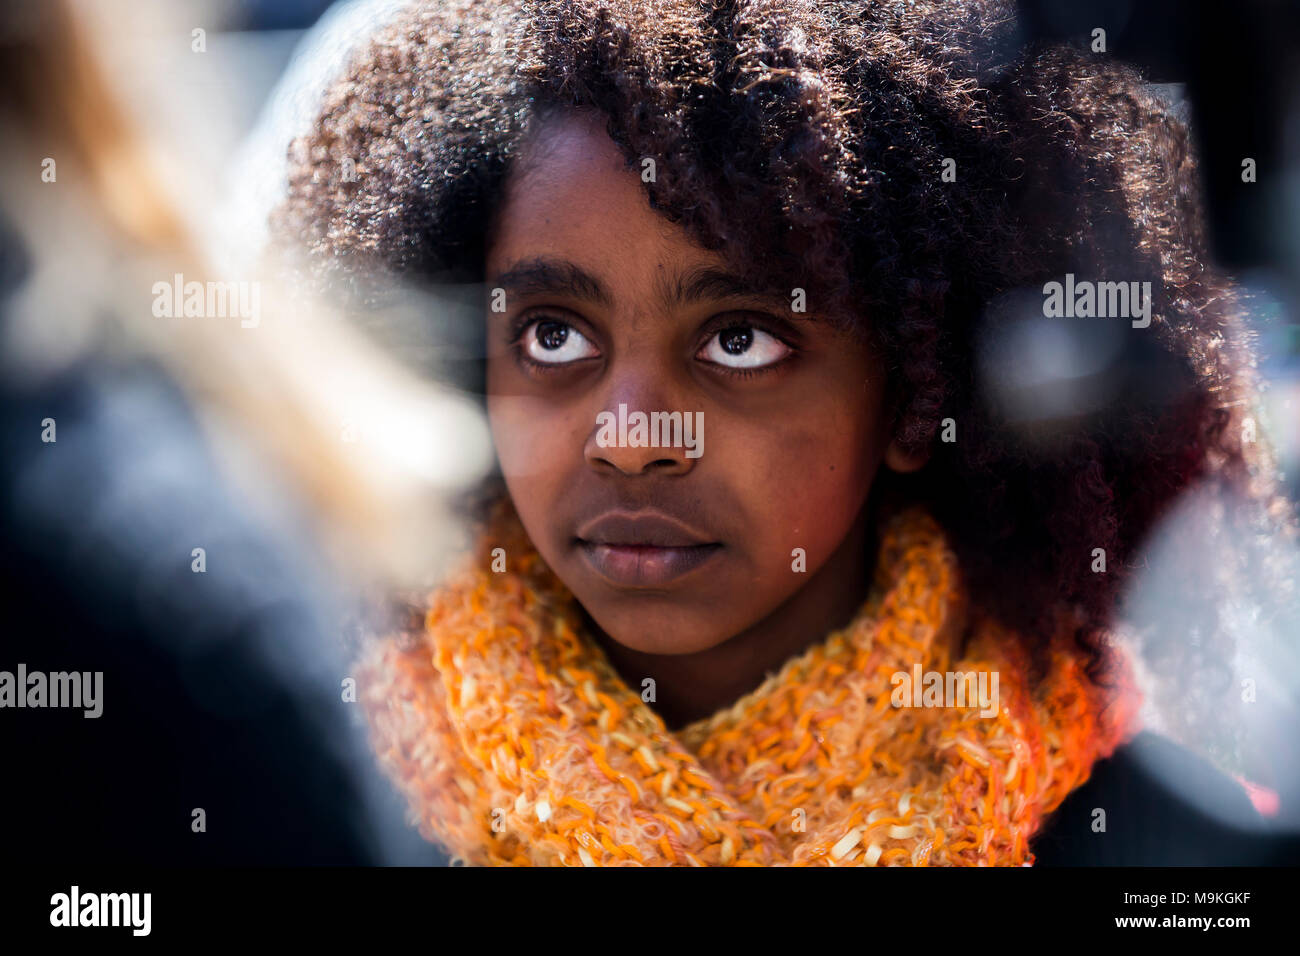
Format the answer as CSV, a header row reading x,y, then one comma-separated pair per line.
x,y
707,282
543,275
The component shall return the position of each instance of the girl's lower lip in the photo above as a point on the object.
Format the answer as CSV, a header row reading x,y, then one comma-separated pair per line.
x,y
645,565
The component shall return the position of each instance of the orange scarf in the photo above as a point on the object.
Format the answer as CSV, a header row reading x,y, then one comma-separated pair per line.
x,y
516,743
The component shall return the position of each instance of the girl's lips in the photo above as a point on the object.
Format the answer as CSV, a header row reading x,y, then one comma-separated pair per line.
x,y
641,565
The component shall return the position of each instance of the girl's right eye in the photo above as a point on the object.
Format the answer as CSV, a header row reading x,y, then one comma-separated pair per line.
x,y
553,342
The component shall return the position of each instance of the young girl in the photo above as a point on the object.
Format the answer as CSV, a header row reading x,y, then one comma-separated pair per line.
x,y
846,593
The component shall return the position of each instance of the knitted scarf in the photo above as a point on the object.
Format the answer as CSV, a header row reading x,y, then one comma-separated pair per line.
x,y
516,742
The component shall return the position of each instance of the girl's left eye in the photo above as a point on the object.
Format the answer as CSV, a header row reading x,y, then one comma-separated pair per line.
x,y
744,346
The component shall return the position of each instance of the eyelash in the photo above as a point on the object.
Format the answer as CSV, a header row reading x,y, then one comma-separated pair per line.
x,y
523,322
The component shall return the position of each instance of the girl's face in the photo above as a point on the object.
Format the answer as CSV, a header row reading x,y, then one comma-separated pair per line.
x,y
684,536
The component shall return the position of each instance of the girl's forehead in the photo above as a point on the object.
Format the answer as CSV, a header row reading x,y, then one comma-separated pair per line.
x,y
575,198
574,193
562,149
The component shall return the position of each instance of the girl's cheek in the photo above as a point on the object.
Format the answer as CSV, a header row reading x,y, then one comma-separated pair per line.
x,y
821,484
515,443
525,451
533,438
811,461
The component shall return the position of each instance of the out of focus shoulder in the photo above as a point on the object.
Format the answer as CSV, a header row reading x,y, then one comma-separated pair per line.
x,y
1157,803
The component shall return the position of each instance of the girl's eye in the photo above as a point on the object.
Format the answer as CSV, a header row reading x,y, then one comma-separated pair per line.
x,y
743,346
553,342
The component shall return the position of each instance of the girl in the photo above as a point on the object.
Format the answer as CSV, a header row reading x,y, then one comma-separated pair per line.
x,y
873,621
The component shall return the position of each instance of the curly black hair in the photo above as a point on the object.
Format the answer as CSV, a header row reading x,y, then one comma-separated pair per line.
x,y
835,123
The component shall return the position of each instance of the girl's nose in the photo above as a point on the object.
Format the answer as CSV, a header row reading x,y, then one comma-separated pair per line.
x,y
637,440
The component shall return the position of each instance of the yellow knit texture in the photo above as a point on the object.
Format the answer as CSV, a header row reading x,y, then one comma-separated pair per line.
x,y
517,744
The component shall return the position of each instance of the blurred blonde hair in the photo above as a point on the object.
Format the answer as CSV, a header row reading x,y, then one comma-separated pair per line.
x,y
377,453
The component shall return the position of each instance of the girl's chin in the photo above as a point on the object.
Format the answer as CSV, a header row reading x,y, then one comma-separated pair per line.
x,y
640,645
647,632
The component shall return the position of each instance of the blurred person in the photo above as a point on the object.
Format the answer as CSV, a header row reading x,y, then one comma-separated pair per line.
x,y
178,514
868,245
